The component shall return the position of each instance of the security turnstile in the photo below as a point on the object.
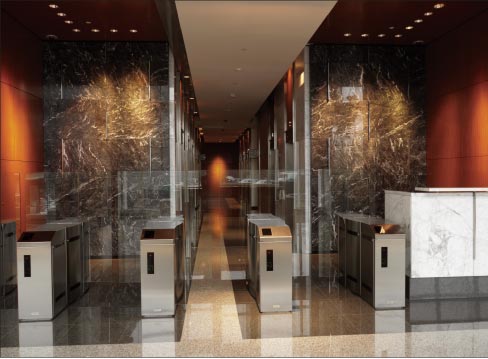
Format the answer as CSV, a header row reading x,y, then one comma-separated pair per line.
x,y
253,220
84,248
8,257
73,238
162,268
383,265
42,274
274,266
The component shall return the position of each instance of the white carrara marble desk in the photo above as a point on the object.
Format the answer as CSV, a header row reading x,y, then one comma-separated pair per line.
x,y
447,238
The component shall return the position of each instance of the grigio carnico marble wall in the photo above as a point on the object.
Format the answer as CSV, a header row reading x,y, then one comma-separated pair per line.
x,y
367,130
106,138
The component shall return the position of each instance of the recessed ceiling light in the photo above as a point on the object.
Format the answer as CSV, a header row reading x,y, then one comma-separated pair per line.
x,y
428,13
439,5
398,35
392,27
114,30
133,31
51,37
409,27
381,35
418,21
95,30
364,35
68,22
62,14
76,30
238,69
418,42
88,22
53,6
347,34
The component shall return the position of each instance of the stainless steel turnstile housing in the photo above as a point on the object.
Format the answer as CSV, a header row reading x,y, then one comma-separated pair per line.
x,y
42,274
73,237
252,271
8,257
383,265
84,250
162,268
274,267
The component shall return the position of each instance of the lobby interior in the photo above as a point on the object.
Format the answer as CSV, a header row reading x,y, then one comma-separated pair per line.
x,y
117,113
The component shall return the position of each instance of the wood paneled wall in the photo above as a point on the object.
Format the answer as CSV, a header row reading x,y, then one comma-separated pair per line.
x,y
457,107
22,133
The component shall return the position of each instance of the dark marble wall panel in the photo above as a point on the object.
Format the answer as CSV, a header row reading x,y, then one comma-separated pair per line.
x,y
107,137
367,130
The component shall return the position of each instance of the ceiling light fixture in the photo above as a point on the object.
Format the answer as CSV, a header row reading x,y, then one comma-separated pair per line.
x,y
439,5
409,27
69,22
195,113
51,37
418,21
114,30
76,30
192,98
381,35
418,42
95,30
347,34
398,35
53,6
428,13
88,22
392,27
133,31
186,76
364,35
62,14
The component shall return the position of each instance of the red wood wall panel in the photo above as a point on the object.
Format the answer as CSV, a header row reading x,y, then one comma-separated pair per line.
x,y
457,107
21,111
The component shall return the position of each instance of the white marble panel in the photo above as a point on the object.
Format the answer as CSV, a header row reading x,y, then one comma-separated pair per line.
x,y
481,239
441,235
397,211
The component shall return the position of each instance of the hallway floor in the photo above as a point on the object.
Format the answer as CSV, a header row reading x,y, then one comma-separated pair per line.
x,y
221,318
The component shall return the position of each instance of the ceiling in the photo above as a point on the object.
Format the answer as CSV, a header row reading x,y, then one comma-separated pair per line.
x,y
104,15
238,51
375,17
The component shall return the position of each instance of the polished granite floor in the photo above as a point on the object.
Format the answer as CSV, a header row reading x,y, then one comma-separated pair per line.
x,y
221,318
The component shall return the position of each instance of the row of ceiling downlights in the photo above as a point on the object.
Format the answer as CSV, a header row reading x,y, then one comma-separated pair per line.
x,y
71,22
408,27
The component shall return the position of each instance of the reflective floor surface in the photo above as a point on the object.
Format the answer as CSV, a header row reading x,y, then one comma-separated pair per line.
x,y
222,319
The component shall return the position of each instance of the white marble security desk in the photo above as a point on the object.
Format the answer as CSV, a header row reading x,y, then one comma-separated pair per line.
x,y
446,239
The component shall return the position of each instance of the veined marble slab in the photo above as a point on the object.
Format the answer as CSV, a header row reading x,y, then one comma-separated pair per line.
x,y
447,233
451,189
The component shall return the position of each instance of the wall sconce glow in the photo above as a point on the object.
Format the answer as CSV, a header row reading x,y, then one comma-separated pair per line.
x,y
301,80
